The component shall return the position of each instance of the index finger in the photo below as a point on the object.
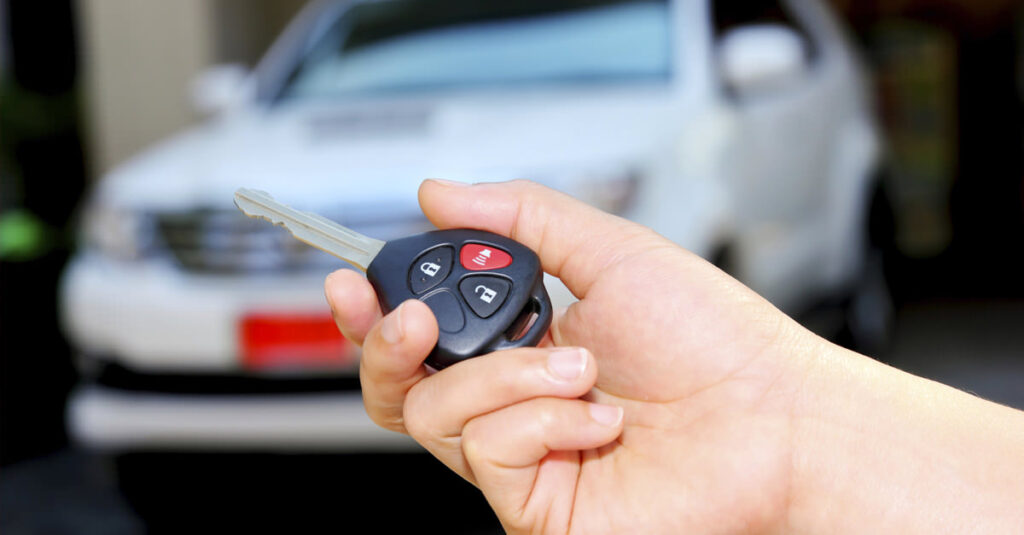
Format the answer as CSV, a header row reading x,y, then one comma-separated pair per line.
x,y
574,241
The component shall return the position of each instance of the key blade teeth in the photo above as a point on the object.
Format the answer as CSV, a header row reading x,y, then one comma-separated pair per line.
x,y
310,228
247,199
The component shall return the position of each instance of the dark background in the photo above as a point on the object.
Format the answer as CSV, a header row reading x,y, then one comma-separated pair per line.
x,y
949,79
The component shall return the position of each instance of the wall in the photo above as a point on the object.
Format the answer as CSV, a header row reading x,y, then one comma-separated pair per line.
x,y
139,56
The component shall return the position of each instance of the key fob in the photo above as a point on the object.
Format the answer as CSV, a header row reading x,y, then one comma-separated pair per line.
x,y
486,291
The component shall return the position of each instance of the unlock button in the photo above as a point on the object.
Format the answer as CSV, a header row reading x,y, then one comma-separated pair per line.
x,y
484,293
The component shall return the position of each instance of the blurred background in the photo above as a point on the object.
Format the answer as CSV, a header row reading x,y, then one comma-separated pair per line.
x,y
166,364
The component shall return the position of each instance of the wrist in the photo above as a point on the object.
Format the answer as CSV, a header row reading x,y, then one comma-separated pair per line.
x,y
878,450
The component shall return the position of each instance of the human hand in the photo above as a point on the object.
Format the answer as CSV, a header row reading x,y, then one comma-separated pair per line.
x,y
702,367
721,395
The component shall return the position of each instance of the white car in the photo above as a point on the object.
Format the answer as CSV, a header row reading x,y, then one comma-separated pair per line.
x,y
741,130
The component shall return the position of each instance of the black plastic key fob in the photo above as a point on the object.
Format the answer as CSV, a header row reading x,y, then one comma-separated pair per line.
x,y
486,291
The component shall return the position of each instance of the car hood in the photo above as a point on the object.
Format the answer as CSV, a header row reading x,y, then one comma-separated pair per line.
x,y
371,154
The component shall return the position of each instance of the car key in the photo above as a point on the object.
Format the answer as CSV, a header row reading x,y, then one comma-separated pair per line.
x,y
486,291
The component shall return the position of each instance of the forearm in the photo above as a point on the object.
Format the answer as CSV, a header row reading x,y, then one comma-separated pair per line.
x,y
877,450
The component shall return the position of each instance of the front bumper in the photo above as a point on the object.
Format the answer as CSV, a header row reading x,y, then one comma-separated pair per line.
x,y
152,317
161,347
119,420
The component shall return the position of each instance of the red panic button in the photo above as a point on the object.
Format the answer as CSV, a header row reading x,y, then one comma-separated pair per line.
x,y
479,257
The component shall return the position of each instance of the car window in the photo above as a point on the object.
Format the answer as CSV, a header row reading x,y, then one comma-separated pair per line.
x,y
428,45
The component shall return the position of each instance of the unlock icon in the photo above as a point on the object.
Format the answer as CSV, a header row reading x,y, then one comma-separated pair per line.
x,y
488,294
430,268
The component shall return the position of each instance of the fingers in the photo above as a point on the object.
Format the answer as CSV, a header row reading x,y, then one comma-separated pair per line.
x,y
353,303
392,361
509,450
575,241
520,435
438,408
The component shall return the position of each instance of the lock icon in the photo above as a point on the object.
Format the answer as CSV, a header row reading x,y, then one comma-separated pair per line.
x,y
488,294
430,268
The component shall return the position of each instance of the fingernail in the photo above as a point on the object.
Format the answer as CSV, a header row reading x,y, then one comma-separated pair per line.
x,y
450,183
568,364
607,415
391,328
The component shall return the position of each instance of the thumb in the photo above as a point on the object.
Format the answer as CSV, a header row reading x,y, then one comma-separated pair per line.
x,y
574,241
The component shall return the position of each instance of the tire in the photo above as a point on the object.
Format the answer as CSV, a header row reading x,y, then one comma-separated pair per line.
x,y
869,311
724,259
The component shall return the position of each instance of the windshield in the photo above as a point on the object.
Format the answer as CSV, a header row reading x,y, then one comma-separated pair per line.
x,y
430,45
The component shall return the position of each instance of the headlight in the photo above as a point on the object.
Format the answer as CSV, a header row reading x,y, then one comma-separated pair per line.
x,y
117,232
612,192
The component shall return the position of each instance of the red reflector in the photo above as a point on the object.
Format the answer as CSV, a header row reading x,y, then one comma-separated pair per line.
x,y
292,341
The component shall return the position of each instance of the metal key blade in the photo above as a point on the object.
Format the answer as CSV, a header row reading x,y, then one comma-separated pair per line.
x,y
310,228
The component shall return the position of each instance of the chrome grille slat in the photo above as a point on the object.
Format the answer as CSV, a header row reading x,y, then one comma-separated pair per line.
x,y
228,242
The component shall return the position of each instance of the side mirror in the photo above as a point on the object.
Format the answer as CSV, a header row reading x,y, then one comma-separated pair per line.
x,y
219,89
764,58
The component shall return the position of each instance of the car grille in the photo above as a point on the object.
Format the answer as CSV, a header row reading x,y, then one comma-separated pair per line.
x,y
220,241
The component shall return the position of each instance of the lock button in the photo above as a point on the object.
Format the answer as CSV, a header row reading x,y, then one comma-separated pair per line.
x,y
430,269
484,293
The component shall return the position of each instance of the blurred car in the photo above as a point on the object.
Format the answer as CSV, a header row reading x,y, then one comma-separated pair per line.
x,y
741,130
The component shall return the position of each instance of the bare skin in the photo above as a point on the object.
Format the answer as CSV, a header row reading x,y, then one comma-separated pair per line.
x,y
672,399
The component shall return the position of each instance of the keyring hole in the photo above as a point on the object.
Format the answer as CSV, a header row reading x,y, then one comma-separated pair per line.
x,y
524,322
